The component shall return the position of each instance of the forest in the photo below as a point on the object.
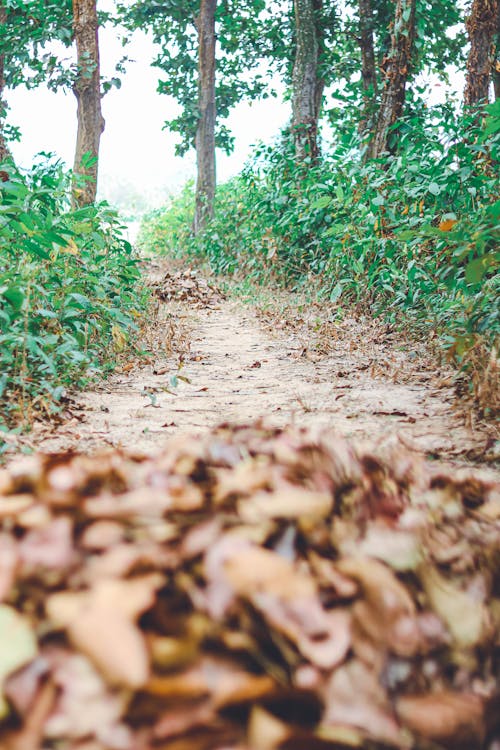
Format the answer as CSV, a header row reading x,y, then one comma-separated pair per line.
x,y
249,458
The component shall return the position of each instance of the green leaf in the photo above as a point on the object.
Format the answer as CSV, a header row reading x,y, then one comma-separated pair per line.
x,y
434,188
75,299
15,296
35,249
475,270
322,202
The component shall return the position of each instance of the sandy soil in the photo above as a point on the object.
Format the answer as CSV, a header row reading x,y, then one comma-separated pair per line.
x,y
236,366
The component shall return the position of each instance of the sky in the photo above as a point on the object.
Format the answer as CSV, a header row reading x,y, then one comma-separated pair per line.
x,y
137,154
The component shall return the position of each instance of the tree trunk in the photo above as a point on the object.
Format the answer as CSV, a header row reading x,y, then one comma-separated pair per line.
x,y
87,89
396,71
368,69
205,132
4,149
496,59
481,28
306,81
320,36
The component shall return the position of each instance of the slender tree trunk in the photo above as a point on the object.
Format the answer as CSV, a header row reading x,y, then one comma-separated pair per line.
x,y
320,36
481,28
368,69
306,81
205,133
496,59
4,149
396,70
87,89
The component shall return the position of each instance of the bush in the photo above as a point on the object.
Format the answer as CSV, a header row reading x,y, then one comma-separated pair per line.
x,y
69,294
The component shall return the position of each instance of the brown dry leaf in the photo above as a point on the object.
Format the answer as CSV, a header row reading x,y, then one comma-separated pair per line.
x,y
355,698
253,570
288,599
224,681
50,546
328,575
31,735
401,550
102,534
386,614
245,478
180,719
265,731
9,558
85,706
22,686
454,718
101,623
140,503
466,619
12,505
292,503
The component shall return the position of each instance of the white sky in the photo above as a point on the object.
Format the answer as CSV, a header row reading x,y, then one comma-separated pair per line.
x,y
135,150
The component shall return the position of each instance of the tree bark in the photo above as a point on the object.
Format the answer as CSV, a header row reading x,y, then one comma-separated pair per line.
x,y
306,80
481,28
496,59
368,69
205,132
4,149
320,36
87,89
396,71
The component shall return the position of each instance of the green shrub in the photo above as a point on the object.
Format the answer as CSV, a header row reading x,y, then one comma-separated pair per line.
x,y
69,294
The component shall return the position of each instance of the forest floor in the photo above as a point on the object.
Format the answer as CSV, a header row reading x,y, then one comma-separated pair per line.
x,y
213,360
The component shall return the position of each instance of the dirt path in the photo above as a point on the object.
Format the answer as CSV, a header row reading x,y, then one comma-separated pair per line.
x,y
368,386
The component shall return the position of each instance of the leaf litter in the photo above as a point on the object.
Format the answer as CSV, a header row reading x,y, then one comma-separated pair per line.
x,y
186,285
251,588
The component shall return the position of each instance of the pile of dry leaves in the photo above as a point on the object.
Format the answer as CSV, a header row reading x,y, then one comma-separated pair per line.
x,y
248,590
186,286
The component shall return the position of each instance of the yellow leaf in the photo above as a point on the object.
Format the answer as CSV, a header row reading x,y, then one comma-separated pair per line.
x,y
119,338
447,224
71,248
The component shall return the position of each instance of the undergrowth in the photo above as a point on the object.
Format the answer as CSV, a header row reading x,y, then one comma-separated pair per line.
x,y
69,292
413,237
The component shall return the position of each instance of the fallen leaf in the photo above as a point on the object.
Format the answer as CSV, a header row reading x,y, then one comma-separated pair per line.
x,y
289,503
465,618
101,623
18,646
355,698
454,718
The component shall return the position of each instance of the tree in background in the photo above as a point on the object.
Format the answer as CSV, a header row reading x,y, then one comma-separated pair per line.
x,y
4,149
482,28
368,69
87,89
186,37
205,131
307,82
496,61
396,69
